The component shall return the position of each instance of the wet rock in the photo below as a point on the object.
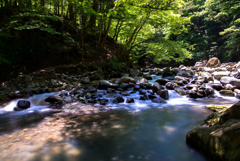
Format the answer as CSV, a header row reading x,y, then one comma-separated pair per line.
x,y
92,90
152,96
140,80
170,85
104,84
120,89
91,101
191,86
124,85
164,94
53,99
162,81
180,83
217,86
137,87
184,74
213,63
134,72
181,91
141,91
111,90
193,94
156,88
219,75
142,98
67,99
133,91
229,87
230,80
103,101
206,75
159,100
227,93
119,99
130,100
209,91
23,104
17,109
126,80
147,76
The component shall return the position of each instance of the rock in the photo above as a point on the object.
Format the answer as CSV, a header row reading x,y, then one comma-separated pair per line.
x,y
126,80
17,109
209,91
230,80
156,88
104,84
184,74
206,75
229,87
111,90
103,101
137,87
219,75
220,142
141,91
23,104
142,98
180,78
231,113
130,100
119,99
170,85
151,96
159,100
227,93
193,94
124,85
180,83
217,86
213,63
209,70
164,94
134,72
147,76
140,80
53,99
85,80
181,91
92,90
162,81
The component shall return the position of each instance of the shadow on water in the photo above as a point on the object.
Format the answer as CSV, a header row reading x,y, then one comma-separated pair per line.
x,y
11,121
153,134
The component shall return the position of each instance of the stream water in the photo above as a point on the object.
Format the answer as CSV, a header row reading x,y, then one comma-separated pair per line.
x,y
142,130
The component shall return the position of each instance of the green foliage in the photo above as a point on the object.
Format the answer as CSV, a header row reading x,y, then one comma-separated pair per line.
x,y
115,64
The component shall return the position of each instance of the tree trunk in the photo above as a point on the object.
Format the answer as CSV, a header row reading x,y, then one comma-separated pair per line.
x,y
93,18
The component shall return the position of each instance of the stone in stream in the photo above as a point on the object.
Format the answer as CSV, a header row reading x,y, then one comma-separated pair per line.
x,y
230,80
170,85
141,91
184,74
53,99
130,100
181,91
124,85
164,94
147,76
126,80
23,104
162,81
104,84
119,99
156,87
140,80
219,75
217,86
15,95
193,94
103,101
142,98
125,93
134,72
209,91
227,93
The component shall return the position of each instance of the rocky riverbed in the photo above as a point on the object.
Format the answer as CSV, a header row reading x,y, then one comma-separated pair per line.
x,y
74,94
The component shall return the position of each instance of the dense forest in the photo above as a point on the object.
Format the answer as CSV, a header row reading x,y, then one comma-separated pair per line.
x,y
39,33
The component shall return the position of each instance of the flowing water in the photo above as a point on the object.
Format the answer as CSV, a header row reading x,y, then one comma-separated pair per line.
x,y
139,131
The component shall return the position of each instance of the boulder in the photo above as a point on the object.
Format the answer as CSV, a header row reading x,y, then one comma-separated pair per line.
x,y
119,99
229,87
209,91
156,88
164,94
134,72
217,86
170,85
230,80
124,85
227,93
23,104
199,64
126,80
103,101
181,91
53,99
219,75
213,63
206,75
184,74
193,94
140,80
103,84
162,81
130,100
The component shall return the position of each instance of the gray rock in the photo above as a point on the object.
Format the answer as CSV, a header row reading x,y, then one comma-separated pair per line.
x,y
164,94
230,80
213,63
199,64
130,100
162,81
124,85
53,99
170,85
219,75
103,84
126,80
184,74
217,86
156,88
140,80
